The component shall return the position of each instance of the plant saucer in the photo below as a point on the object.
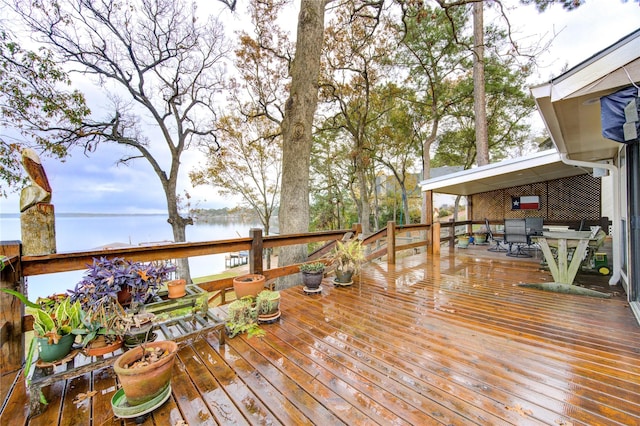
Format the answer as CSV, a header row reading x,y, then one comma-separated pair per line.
x,y
122,409
43,364
269,318
341,284
308,290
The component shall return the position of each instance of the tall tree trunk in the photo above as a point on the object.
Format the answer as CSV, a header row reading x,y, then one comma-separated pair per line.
x,y
178,224
405,204
479,93
297,132
365,208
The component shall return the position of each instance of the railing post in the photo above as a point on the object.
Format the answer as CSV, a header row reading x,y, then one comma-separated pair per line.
x,y
11,309
434,248
391,243
255,256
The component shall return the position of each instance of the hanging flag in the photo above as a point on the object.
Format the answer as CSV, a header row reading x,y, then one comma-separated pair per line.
x,y
529,202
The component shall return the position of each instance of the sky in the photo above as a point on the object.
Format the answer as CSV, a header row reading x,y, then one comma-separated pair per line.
x,y
96,184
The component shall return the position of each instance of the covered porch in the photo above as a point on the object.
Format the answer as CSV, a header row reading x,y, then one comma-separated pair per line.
x,y
449,339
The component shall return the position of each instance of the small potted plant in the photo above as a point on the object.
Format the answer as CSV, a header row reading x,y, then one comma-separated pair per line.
x,y
145,371
176,288
248,285
268,305
312,274
138,328
242,317
347,256
55,320
480,236
463,241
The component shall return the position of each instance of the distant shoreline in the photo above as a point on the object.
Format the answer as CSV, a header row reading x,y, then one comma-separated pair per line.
x,y
90,214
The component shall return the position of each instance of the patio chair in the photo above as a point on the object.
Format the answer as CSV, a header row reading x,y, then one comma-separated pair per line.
x,y
515,235
533,227
498,242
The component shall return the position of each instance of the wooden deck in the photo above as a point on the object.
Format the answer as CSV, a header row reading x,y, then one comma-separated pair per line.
x,y
453,342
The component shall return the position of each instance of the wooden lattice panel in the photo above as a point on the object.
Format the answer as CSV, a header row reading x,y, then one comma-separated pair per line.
x,y
568,199
574,198
488,205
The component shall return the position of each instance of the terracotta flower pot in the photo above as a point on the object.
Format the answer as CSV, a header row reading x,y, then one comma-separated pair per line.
x,y
142,384
99,346
248,285
176,288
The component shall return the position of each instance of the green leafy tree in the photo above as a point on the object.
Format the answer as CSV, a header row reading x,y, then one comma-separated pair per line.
x,y
395,132
330,180
35,107
435,59
248,164
355,64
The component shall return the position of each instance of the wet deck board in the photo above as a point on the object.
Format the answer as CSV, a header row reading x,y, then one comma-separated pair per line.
x,y
449,342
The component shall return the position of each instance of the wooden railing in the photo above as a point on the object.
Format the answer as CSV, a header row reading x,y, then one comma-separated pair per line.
x,y
13,322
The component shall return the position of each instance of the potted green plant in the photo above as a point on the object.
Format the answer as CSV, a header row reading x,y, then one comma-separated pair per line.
x,y
268,305
242,317
463,241
347,256
312,274
480,235
55,319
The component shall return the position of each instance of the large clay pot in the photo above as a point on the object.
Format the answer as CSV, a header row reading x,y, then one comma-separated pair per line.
x,y
177,288
248,285
50,352
142,384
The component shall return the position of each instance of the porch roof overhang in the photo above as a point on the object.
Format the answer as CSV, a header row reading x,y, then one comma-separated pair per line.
x,y
570,103
537,167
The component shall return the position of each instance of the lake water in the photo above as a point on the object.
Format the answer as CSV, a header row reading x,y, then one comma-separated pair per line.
x,y
82,232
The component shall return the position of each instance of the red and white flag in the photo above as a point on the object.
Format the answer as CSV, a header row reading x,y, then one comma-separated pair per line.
x,y
530,202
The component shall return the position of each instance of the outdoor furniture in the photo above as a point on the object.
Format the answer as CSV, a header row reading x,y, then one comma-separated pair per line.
x,y
571,249
515,235
498,242
534,227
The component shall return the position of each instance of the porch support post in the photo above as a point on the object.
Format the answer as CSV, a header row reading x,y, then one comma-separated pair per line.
x,y
11,309
391,243
255,256
434,247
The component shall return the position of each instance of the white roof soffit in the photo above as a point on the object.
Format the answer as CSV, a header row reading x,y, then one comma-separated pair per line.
x,y
537,167
604,71
570,103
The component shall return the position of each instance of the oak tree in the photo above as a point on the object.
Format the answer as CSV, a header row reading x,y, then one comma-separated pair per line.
x,y
158,61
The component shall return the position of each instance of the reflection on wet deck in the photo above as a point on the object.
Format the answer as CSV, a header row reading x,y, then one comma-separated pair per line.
x,y
454,341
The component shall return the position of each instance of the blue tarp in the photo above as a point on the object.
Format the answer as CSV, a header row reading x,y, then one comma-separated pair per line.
x,y
612,113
